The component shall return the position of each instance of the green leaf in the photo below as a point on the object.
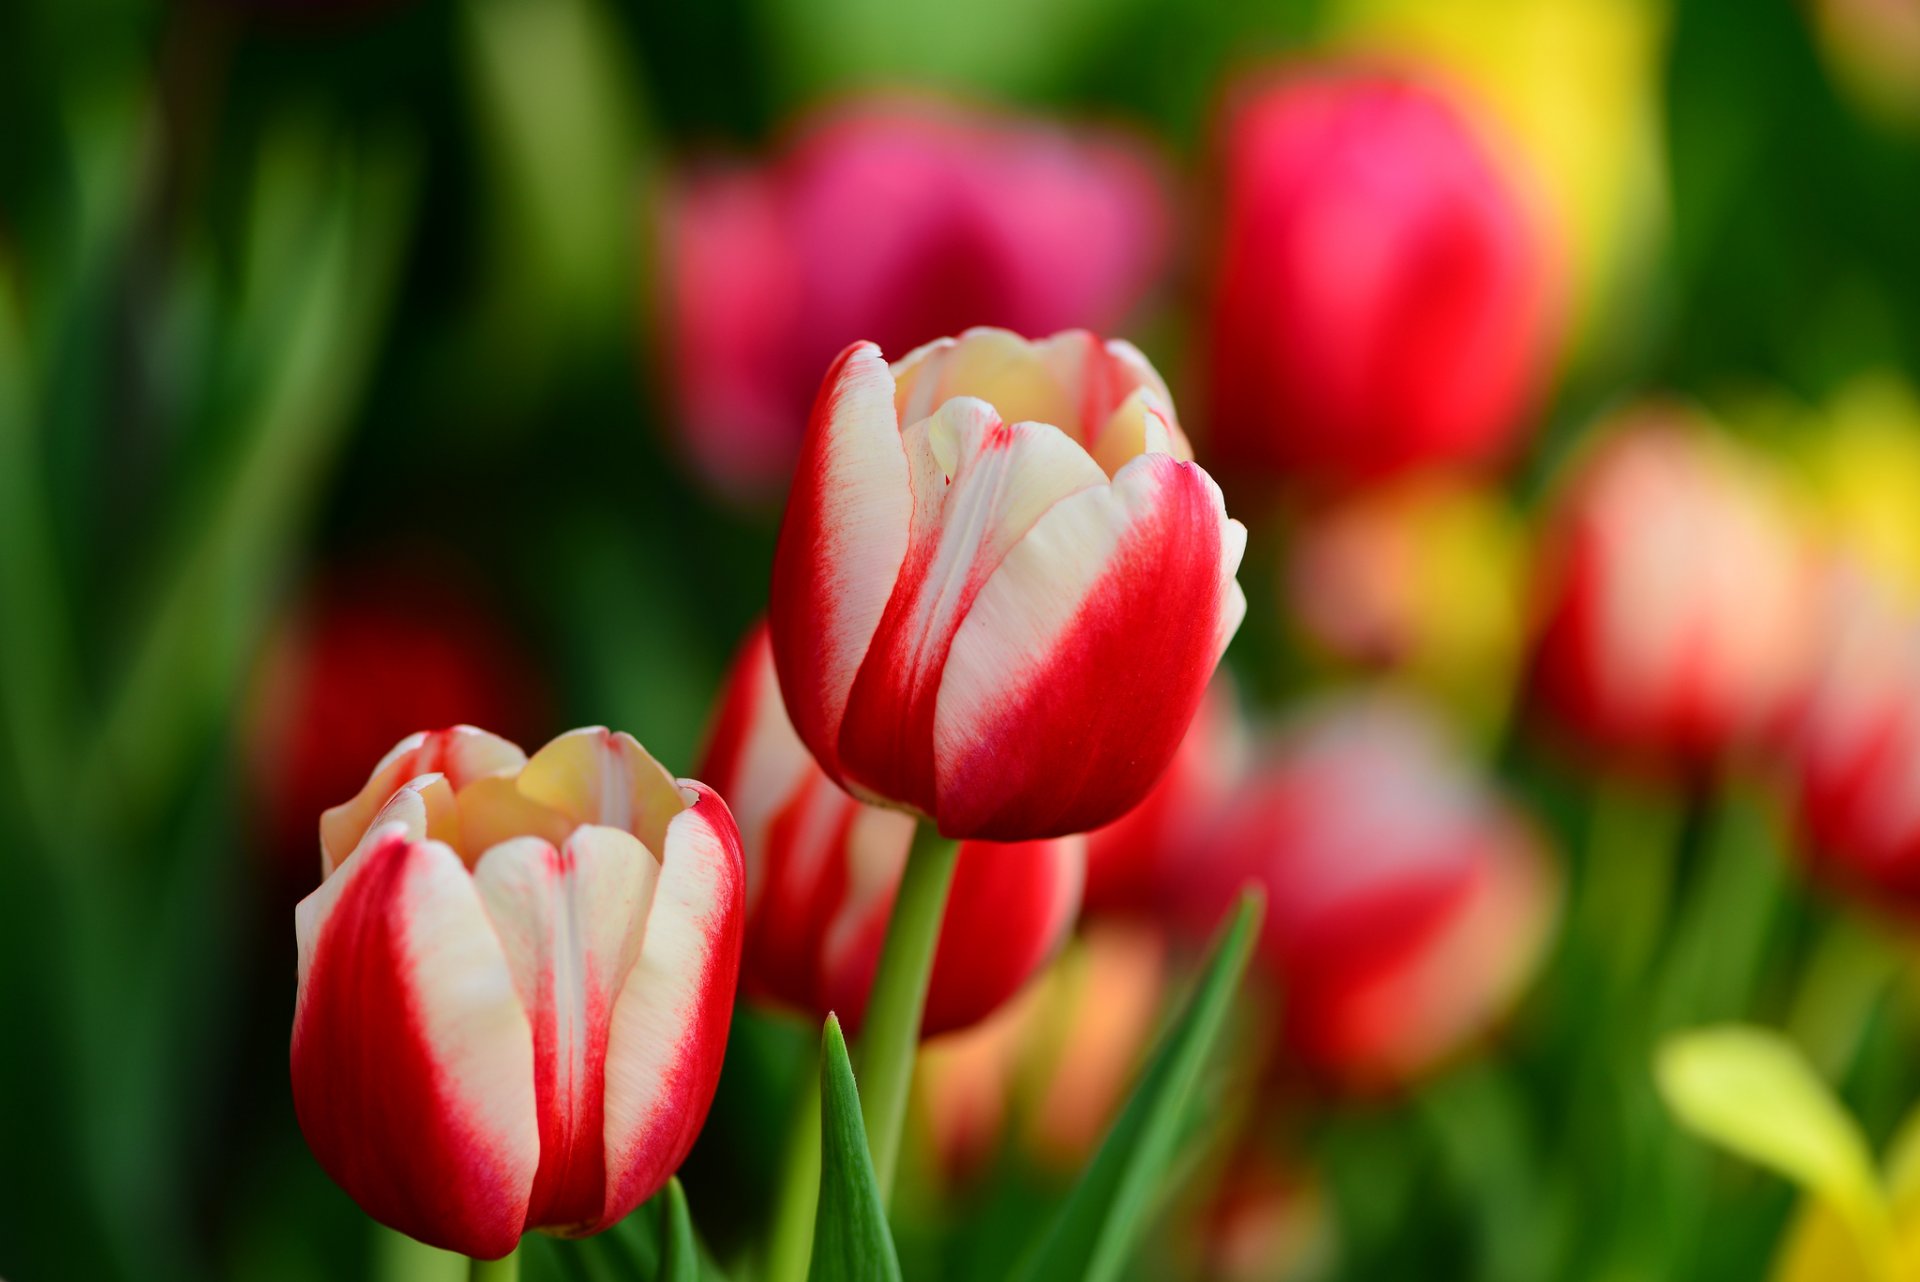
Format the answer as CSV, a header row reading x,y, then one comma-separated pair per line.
x,y
1751,1091
679,1257
850,1236
1106,1211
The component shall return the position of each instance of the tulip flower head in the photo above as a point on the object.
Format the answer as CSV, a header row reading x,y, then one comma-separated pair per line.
x,y
822,871
1001,584
893,221
515,984
1406,905
1385,299
1676,599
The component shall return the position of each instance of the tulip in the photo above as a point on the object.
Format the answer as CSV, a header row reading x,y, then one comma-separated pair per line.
x,y
897,222
1384,297
1134,861
362,660
822,871
1001,587
1406,904
1676,596
1854,751
515,983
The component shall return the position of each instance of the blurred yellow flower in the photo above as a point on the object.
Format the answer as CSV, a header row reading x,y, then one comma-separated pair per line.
x,y
1863,467
1426,578
1751,1091
1576,85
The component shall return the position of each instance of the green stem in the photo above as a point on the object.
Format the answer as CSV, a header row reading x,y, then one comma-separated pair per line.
x,y
899,996
504,1269
790,1243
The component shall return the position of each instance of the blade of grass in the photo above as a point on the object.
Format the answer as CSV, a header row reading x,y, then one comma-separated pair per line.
x,y
851,1241
1106,1211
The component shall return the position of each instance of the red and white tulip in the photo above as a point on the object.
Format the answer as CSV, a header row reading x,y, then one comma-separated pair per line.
x,y
823,869
1001,585
1406,905
1676,605
515,984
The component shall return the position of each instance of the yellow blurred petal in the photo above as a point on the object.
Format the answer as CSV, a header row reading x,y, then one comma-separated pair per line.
x,y
1576,85
1751,1091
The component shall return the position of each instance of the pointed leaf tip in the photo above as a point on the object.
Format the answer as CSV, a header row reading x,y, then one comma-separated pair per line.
x,y
851,1240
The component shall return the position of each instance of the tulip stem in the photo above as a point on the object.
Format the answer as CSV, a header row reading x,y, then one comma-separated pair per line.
x,y
899,997
504,1269
790,1243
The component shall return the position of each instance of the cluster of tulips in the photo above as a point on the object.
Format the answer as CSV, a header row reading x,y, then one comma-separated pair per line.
x,y
981,715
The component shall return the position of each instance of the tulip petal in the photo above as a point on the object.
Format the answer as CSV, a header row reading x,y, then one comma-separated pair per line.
x,y
756,760
1116,591
604,777
842,542
571,921
412,1057
1071,380
461,753
669,1030
979,485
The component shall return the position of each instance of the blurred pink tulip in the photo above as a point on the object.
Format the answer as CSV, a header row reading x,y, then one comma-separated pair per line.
x,y
1406,905
822,871
1385,296
1677,596
516,978
897,222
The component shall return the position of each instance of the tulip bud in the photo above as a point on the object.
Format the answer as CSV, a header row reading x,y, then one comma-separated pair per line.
x,y
1854,749
1384,300
515,984
899,223
1676,596
1000,587
362,661
823,869
1406,906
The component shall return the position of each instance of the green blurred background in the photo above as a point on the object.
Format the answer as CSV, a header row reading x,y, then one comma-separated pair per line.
x,y
288,287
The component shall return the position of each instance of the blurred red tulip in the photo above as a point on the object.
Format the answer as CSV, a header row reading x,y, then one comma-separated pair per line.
x,y
1385,298
1406,905
822,870
1132,862
1001,584
896,222
1855,751
369,656
516,978
1677,597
